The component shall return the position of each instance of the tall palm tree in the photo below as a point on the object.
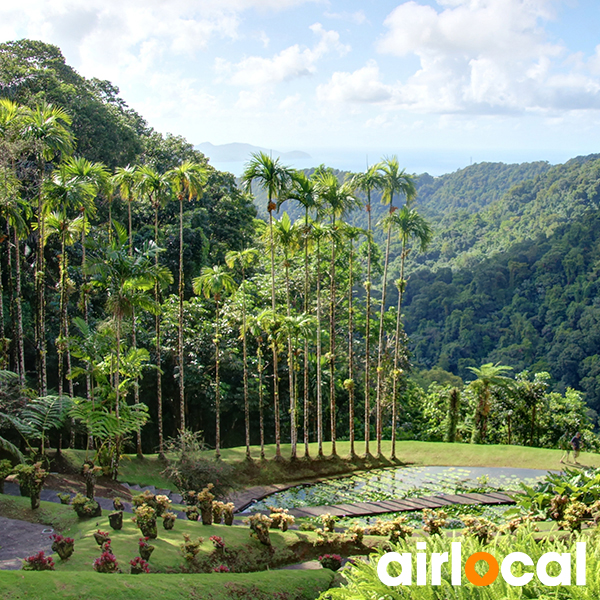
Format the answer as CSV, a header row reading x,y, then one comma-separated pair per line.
x,y
410,226
212,283
156,188
46,128
273,177
254,326
15,212
68,230
245,259
336,199
270,323
186,180
127,280
487,376
351,234
303,192
368,182
395,181
318,233
286,236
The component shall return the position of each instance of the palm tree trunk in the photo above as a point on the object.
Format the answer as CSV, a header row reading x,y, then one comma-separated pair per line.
x,y
395,374
319,398
245,357
351,353
217,387
380,342
293,432
161,448
332,350
61,341
275,365
19,307
260,402
180,322
40,285
86,316
118,367
14,354
306,399
5,348
368,331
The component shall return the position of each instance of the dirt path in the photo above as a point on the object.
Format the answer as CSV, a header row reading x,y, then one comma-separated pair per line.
x,y
20,539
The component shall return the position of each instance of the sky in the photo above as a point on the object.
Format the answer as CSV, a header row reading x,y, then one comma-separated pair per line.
x,y
440,83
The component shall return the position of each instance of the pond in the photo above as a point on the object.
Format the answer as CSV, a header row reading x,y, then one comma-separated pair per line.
x,y
400,482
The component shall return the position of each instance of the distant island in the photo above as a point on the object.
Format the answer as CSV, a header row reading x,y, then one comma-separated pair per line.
x,y
238,152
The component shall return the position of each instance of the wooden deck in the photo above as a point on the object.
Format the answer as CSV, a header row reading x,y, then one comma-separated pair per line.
x,y
363,509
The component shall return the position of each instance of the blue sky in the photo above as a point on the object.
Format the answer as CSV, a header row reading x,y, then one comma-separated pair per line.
x,y
441,83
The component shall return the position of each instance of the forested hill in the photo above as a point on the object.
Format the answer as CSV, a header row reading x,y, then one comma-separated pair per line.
x,y
516,283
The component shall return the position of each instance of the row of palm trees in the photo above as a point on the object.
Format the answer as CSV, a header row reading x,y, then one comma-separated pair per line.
x,y
62,202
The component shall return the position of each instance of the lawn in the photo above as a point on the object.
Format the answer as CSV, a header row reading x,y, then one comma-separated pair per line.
x,y
148,470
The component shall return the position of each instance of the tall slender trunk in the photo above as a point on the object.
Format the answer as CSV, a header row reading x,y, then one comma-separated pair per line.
x,y
118,368
380,342
319,397
40,289
161,448
260,400
332,346
395,373
61,340
368,331
306,398
274,345
180,322
293,432
19,307
351,351
5,346
14,354
89,390
217,386
245,357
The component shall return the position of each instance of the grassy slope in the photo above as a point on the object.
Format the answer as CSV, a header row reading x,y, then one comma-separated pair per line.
x,y
287,585
147,471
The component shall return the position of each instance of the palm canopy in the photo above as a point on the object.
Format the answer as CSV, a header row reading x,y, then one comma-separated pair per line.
x,y
302,191
47,127
286,234
370,180
335,198
153,185
94,173
187,179
213,281
410,225
128,277
269,174
244,258
57,223
395,180
125,179
66,191
490,375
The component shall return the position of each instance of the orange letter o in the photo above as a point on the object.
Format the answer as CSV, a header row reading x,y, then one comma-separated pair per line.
x,y
473,576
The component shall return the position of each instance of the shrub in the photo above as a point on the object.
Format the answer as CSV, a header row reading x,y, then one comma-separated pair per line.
x,y
190,550
31,480
118,504
106,562
260,524
328,522
90,474
63,546
84,507
479,528
145,519
222,569
145,548
355,533
218,542
191,512
189,469
6,469
228,509
396,530
169,519
205,502
280,519
102,537
575,513
331,561
38,562
163,503
217,511
139,565
146,497
433,521
64,498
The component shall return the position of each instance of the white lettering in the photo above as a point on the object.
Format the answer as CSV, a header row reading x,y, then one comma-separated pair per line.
x,y
405,560
563,578
508,562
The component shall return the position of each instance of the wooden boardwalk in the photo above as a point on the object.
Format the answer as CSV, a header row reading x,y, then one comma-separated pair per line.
x,y
364,509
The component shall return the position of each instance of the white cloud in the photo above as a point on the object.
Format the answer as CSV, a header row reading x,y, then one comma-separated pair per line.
x,y
290,63
361,86
485,56
359,17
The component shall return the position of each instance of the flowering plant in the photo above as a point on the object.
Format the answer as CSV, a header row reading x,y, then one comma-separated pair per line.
x,y
139,565
218,542
63,546
106,563
102,537
331,561
38,562
222,569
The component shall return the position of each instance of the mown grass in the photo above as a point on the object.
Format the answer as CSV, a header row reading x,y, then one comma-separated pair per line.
x,y
59,516
282,585
148,470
